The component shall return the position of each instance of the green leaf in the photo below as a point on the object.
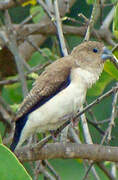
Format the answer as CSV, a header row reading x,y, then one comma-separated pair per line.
x,y
113,1
115,22
99,87
12,93
110,68
2,129
38,58
0,139
14,107
40,13
10,167
49,54
90,1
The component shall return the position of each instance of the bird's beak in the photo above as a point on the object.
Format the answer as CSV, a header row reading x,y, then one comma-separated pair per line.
x,y
107,54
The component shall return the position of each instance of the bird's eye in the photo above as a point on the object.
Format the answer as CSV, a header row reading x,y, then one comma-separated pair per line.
x,y
95,50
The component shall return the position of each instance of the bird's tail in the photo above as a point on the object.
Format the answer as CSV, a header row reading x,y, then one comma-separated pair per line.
x,y
15,141
20,123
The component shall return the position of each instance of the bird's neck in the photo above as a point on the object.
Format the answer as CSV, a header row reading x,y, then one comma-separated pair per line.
x,y
86,76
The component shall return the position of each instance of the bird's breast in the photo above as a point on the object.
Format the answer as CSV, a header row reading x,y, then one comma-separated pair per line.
x,y
50,115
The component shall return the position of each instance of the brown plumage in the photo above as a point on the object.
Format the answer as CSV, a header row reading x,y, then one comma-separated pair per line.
x,y
56,74
46,84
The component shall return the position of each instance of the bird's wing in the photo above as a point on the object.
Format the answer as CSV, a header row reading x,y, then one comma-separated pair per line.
x,y
51,81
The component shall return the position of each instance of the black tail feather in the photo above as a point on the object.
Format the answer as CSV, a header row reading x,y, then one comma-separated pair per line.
x,y
20,123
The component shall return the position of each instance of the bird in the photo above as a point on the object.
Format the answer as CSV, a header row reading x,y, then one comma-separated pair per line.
x,y
60,90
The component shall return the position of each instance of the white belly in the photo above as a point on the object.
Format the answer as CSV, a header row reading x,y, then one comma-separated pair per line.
x,y
49,116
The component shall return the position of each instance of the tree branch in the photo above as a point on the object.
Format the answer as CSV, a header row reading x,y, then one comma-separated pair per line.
x,y
67,151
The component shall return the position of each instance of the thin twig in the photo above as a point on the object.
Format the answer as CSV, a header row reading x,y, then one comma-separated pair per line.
x,y
88,170
26,65
12,44
75,20
46,9
111,123
59,29
96,126
34,69
114,60
49,166
114,170
73,135
92,20
6,117
115,48
29,18
36,47
88,140
41,169
87,136
7,107
104,169
98,122
111,91
105,136
92,114
49,4
84,18
113,115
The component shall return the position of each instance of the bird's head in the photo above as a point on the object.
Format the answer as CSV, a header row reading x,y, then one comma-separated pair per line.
x,y
91,55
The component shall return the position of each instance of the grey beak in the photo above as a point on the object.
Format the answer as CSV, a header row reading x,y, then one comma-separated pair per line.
x,y
107,54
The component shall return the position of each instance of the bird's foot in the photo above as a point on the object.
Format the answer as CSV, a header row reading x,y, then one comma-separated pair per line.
x,y
74,122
